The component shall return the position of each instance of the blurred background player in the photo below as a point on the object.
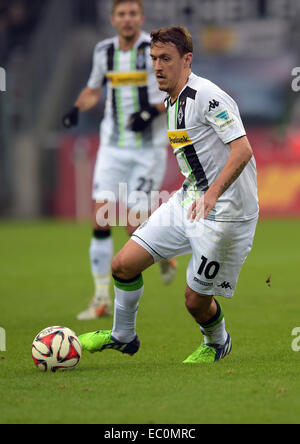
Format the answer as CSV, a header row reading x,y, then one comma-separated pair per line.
x,y
133,139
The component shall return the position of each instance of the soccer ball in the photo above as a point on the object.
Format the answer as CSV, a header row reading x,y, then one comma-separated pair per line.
x,y
56,348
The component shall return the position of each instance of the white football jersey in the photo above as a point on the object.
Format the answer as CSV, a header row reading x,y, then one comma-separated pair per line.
x,y
131,85
201,124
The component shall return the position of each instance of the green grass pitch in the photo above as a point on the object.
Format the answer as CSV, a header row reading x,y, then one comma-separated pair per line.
x,y
45,280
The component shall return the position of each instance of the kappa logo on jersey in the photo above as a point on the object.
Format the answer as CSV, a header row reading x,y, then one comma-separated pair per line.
x,y
213,104
224,119
179,139
135,78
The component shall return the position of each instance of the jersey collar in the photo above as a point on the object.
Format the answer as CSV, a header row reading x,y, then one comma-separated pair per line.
x,y
192,75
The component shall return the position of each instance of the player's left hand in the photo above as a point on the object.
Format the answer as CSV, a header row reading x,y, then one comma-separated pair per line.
x,y
141,120
202,206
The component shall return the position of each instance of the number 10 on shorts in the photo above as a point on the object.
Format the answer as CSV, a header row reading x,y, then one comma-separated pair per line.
x,y
210,269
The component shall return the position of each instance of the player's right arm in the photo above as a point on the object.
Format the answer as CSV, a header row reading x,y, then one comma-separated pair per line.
x,y
87,99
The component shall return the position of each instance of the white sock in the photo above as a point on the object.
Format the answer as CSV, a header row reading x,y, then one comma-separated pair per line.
x,y
127,297
214,330
216,334
101,253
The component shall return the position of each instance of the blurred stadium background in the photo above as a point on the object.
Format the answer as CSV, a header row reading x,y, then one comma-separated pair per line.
x,y
248,47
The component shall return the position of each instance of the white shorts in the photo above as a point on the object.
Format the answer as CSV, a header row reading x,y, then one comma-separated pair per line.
x,y
122,174
218,249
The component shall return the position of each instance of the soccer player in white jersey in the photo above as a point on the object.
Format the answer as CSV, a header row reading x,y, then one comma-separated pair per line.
x,y
133,139
213,216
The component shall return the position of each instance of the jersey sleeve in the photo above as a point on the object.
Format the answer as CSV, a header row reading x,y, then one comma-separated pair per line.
x,y
220,111
155,95
98,74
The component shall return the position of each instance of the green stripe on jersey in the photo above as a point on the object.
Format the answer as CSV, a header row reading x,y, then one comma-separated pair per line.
x,y
133,59
119,101
120,117
176,112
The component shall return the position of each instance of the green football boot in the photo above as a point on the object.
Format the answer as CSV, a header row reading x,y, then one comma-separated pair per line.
x,y
98,341
209,353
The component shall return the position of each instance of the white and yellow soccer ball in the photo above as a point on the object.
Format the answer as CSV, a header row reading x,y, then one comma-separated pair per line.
x,y
56,348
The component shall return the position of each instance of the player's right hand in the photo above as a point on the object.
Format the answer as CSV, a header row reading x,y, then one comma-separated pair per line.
x,y
71,118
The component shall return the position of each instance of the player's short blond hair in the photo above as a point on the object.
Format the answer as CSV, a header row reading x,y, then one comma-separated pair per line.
x,y
116,3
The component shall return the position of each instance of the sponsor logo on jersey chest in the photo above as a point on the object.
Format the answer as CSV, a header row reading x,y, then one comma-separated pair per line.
x,y
179,139
136,78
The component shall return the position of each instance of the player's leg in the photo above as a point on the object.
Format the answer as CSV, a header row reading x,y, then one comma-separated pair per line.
x,y
209,241
110,170
127,268
207,312
168,269
101,253
201,307
157,238
219,251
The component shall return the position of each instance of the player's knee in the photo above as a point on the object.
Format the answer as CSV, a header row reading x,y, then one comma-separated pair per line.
x,y
121,267
117,266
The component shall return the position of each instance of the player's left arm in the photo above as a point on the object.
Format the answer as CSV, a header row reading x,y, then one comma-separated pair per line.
x,y
241,153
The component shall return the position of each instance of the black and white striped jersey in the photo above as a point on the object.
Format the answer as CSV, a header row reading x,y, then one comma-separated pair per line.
x,y
131,85
201,124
